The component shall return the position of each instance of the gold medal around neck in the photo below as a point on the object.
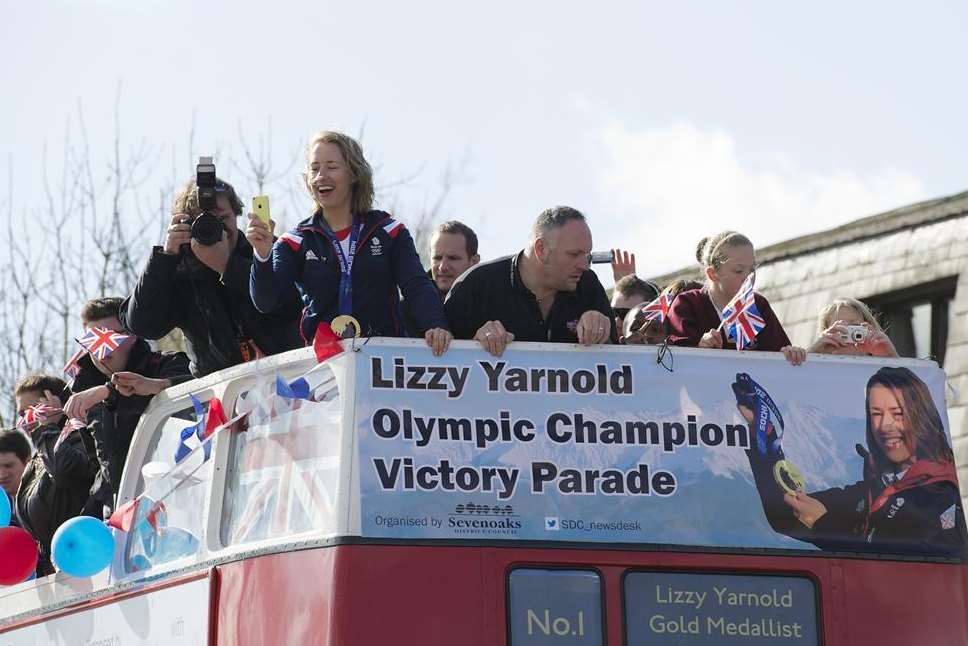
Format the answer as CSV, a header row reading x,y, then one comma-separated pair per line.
x,y
345,326
788,476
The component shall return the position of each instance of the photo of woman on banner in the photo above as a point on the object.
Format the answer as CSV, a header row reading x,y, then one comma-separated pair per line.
x,y
908,500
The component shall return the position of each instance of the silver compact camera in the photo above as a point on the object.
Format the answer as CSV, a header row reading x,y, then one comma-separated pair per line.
x,y
854,334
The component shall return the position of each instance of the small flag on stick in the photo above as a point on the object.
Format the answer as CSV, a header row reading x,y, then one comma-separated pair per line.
x,y
741,318
100,341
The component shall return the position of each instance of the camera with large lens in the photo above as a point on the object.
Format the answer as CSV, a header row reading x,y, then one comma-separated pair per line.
x,y
207,228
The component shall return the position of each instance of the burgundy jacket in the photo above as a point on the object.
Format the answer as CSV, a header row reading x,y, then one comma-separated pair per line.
x,y
693,314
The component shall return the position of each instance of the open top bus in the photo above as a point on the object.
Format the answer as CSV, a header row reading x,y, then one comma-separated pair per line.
x,y
555,495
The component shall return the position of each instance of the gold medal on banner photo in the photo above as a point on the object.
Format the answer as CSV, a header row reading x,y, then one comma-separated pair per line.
x,y
346,327
788,476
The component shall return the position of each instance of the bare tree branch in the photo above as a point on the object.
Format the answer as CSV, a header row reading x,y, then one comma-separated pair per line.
x,y
93,221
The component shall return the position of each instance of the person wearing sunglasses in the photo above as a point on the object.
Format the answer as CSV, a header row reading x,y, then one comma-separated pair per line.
x,y
640,329
628,292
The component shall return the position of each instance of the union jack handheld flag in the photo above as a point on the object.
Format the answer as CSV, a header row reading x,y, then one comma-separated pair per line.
x,y
100,341
73,367
658,310
35,415
70,426
741,319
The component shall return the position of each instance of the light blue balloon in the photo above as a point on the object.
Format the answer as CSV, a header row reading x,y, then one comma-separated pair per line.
x,y
5,510
82,546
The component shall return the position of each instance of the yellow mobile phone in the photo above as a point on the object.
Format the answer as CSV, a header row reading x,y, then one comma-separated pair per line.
x,y
260,206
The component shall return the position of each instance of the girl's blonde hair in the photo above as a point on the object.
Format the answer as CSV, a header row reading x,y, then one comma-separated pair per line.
x,y
361,170
828,310
711,251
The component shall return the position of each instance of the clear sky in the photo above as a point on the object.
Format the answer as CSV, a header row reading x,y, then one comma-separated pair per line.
x,y
662,121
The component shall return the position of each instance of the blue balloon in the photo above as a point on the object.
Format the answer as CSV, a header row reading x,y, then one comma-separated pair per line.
x,y
82,546
4,509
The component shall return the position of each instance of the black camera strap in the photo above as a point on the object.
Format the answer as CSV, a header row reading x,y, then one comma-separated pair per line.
x,y
248,348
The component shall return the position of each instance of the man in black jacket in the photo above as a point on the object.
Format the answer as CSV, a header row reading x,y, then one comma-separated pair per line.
x,y
453,250
204,290
544,293
56,483
111,393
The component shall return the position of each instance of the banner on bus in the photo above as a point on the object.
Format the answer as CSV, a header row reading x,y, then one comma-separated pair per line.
x,y
717,449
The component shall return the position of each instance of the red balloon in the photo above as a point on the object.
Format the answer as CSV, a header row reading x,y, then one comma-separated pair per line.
x,y
18,555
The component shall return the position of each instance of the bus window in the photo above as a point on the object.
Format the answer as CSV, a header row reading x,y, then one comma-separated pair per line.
x,y
160,456
283,465
169,518
547,607
718,608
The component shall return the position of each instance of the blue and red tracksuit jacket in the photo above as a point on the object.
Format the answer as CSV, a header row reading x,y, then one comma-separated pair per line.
x,y
385,261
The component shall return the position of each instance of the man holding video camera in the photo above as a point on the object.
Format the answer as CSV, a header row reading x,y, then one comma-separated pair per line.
x,y
199,281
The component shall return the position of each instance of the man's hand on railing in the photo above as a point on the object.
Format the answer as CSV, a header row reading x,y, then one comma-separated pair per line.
x,y
493,338
438,339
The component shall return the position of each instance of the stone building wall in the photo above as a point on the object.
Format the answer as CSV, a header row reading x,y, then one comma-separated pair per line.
x,y
882,254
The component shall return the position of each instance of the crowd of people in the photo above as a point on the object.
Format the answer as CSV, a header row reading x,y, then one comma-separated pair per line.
x,y
254,293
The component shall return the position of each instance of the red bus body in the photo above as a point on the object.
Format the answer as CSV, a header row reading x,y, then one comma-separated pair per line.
x,y
441,595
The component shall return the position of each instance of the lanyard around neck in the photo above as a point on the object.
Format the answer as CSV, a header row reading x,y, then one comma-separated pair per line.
x,y
346,268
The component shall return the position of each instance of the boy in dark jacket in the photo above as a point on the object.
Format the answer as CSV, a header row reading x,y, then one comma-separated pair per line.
x,y
56,482
204,291
15,452
111,393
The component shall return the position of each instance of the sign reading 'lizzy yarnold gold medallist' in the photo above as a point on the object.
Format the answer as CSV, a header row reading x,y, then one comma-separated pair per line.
x,y
722,609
